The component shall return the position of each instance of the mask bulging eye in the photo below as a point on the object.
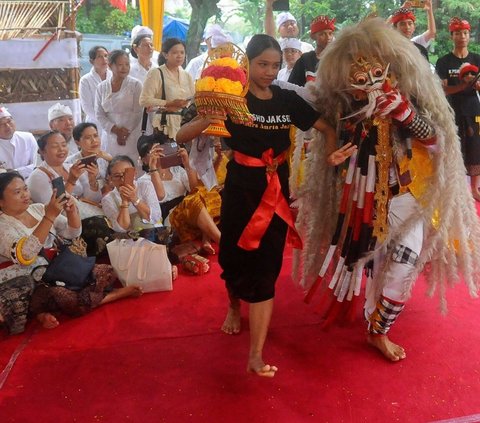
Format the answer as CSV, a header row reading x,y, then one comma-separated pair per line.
x,y
377,71
360,78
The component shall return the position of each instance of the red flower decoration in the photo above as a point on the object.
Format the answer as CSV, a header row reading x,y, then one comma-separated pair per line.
x,y
225,72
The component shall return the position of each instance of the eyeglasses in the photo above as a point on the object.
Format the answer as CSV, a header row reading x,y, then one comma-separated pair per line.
x,y
117,176
470,73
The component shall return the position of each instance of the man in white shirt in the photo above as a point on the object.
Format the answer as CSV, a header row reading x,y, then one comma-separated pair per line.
x,y
18,150
403,21
213,36
286,25
60,119
292,50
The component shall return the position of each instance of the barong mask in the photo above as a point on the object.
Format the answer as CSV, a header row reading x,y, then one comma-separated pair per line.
x,y
367,79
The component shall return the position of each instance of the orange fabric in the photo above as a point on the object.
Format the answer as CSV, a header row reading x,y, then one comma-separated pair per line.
x,y
272,201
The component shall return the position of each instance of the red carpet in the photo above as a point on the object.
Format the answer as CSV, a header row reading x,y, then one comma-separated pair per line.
x,y
162,358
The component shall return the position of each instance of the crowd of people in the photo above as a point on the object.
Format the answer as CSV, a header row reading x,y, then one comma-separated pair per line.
x,y
382,130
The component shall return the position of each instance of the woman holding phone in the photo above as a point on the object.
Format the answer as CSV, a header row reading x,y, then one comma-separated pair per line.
x,y
177,84
80,180
131,205
186,205
88,140
27,229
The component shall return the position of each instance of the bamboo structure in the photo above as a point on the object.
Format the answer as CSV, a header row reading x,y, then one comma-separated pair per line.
x,y
25,19
36,23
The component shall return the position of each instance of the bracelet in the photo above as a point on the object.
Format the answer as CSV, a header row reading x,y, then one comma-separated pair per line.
x,y
50,220
137,202
124,207
69,181
152,170
23,261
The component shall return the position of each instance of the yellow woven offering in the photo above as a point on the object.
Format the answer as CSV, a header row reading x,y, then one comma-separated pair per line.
x,y
221,89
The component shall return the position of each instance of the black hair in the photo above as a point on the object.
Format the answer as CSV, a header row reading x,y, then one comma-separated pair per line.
x,y
114,55
143,149
6,178
42,141
118,159
78,130
167,46
136,42
259,43
92,53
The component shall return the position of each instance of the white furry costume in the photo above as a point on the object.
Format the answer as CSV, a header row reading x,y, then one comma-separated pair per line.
x,y
451,228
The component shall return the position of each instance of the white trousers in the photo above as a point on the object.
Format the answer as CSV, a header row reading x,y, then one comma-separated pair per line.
x,y
401,256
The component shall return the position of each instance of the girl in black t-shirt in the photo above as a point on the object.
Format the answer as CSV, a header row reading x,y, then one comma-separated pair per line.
x,y
255,215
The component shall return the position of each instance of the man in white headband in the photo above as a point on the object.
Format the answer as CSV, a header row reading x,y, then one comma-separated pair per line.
x,y
213,36
292,50
142,30
285,24
60,119
18,150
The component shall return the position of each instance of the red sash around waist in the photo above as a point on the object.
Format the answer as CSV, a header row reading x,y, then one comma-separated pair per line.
x,y
272,201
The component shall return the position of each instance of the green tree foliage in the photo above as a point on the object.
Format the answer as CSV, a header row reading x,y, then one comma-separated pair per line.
x,y
97,16
348,12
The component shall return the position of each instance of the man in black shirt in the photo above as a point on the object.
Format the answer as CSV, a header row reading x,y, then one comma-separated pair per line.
x,y
462,96
321,30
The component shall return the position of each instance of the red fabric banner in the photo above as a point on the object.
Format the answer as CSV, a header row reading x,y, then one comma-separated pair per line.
x,y
119,4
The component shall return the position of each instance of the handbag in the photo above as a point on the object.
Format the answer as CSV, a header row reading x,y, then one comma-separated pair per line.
x,y
141,263
158,136
96,232
71,268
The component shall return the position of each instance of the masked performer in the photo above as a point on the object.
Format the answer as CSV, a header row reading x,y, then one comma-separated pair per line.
x,y
401,201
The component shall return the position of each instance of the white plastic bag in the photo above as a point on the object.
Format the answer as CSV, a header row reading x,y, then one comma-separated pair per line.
x,y
141,262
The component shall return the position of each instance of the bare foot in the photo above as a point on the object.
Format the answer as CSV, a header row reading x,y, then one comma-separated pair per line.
x,y
127,291
47,320
207,248
174,272
390,350
232,323
257,365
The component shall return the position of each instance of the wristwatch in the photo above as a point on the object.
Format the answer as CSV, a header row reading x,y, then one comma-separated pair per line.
x,y
137,202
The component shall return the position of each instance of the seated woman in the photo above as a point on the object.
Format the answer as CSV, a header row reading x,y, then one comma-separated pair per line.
x,y
191,209
80,180
130,206
26,229
89,144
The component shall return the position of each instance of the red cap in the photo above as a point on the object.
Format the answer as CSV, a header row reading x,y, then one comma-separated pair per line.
x,y
403,14
467,67
321,23
457,24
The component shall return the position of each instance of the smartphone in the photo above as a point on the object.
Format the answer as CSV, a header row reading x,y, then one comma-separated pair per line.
x,y
418,3
129,176
59,185
171,158
281,5
89,159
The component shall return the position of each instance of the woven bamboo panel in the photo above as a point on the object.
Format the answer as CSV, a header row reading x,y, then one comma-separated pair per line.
x,y
24,19
20,86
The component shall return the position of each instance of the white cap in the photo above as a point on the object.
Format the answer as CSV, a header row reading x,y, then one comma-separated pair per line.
x,y
213,29
4,112
291,43
284,17
141,30
219,39
57,111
